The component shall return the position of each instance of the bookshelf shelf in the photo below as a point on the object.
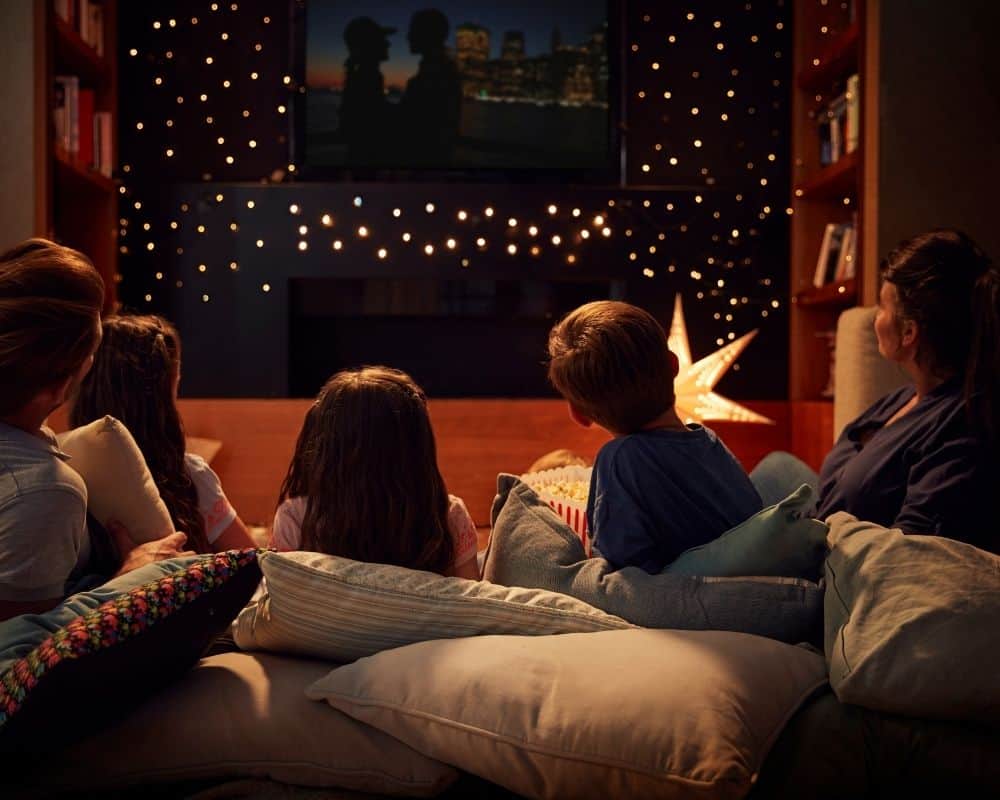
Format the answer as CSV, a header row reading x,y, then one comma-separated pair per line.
x,y
76,101
75,56
839,294
838,61
830,42
833,182
72,171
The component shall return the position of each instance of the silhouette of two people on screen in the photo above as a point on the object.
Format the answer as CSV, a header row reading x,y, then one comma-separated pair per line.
x,y
423,129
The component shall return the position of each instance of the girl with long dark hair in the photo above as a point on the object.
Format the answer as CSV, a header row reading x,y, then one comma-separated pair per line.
x,y
135,377
364,481
923,458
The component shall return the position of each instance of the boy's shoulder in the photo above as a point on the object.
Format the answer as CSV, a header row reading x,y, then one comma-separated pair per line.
x,y
694,435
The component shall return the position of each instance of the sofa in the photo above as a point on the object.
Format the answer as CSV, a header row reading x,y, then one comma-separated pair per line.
x,y
800,659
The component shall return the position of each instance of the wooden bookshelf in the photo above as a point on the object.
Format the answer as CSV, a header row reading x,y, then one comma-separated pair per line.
x,y
833,182
71,171
829,46
838,294
78,204
838,60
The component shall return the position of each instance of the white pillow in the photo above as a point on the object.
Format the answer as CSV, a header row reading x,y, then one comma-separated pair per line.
x,y
339,609
911,622
119,486
240,715
631,713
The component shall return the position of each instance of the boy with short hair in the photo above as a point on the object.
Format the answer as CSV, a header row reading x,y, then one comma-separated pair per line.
x,y
660,486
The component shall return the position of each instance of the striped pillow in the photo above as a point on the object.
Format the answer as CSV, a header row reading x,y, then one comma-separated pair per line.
x,y
342,610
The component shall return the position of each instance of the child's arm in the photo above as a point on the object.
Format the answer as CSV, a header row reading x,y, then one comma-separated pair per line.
x,y
463,531
234,537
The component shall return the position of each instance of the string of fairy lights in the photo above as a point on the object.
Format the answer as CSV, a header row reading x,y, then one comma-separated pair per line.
x,y
206,98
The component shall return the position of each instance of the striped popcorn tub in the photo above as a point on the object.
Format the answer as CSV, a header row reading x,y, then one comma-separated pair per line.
x,y
566,490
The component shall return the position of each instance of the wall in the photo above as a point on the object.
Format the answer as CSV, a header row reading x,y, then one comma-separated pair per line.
x,y
701,214
939,104
18,130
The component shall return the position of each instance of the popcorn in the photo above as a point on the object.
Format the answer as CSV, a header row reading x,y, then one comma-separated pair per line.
x,y
566,489
569,490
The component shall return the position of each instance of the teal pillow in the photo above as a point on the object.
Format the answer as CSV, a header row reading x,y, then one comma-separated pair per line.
x,y
780,540
20,635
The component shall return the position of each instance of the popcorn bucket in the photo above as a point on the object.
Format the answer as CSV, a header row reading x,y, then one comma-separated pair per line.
x,y
566,490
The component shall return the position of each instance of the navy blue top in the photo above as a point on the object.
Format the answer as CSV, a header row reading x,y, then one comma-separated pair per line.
x,y
925,473
656,493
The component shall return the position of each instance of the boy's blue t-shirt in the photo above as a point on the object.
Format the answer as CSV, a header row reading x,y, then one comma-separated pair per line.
x,y
656,493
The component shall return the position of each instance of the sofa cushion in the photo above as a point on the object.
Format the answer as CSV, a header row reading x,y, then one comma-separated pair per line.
x,y
242,715
106,661
861,374
119,484
911,623
531,546
779,540
335,608
631,713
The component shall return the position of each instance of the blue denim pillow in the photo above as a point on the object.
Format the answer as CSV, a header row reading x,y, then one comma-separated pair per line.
x,y
781,540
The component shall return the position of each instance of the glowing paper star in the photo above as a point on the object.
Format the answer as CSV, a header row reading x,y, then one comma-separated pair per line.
x,y
696,402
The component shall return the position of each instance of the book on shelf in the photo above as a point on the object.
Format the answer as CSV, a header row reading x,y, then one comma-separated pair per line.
x,y
829,254
852,114
837,254
102,143
82,132
839,124
846,258
66,117
86,18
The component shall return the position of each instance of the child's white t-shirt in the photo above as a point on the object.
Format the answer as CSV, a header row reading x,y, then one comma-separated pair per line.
x,y
213,505
286,533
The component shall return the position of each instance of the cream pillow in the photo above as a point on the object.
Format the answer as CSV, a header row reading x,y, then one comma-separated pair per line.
x,y
119,486
911,622
631,713
240,715
339,609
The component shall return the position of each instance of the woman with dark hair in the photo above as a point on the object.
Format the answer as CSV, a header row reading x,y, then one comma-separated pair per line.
x,y
135,377
364,482
923,458
50,327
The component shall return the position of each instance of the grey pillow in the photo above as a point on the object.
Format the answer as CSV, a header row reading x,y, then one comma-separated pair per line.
x,y
911,622
531,546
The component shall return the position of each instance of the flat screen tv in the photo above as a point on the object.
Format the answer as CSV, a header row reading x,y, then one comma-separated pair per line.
x,y
473,87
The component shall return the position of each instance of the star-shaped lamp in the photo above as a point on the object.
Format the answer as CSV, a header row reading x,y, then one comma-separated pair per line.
x,y
696,402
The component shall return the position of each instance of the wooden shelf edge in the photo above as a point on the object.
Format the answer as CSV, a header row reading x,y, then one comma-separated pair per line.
x,y
78,171
77,54
838,294
839,60
834,180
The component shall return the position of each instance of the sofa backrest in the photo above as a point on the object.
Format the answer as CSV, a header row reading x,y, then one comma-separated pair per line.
x,y
861,375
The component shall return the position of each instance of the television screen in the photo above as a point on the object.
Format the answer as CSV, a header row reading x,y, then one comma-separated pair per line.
x,y
457,84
